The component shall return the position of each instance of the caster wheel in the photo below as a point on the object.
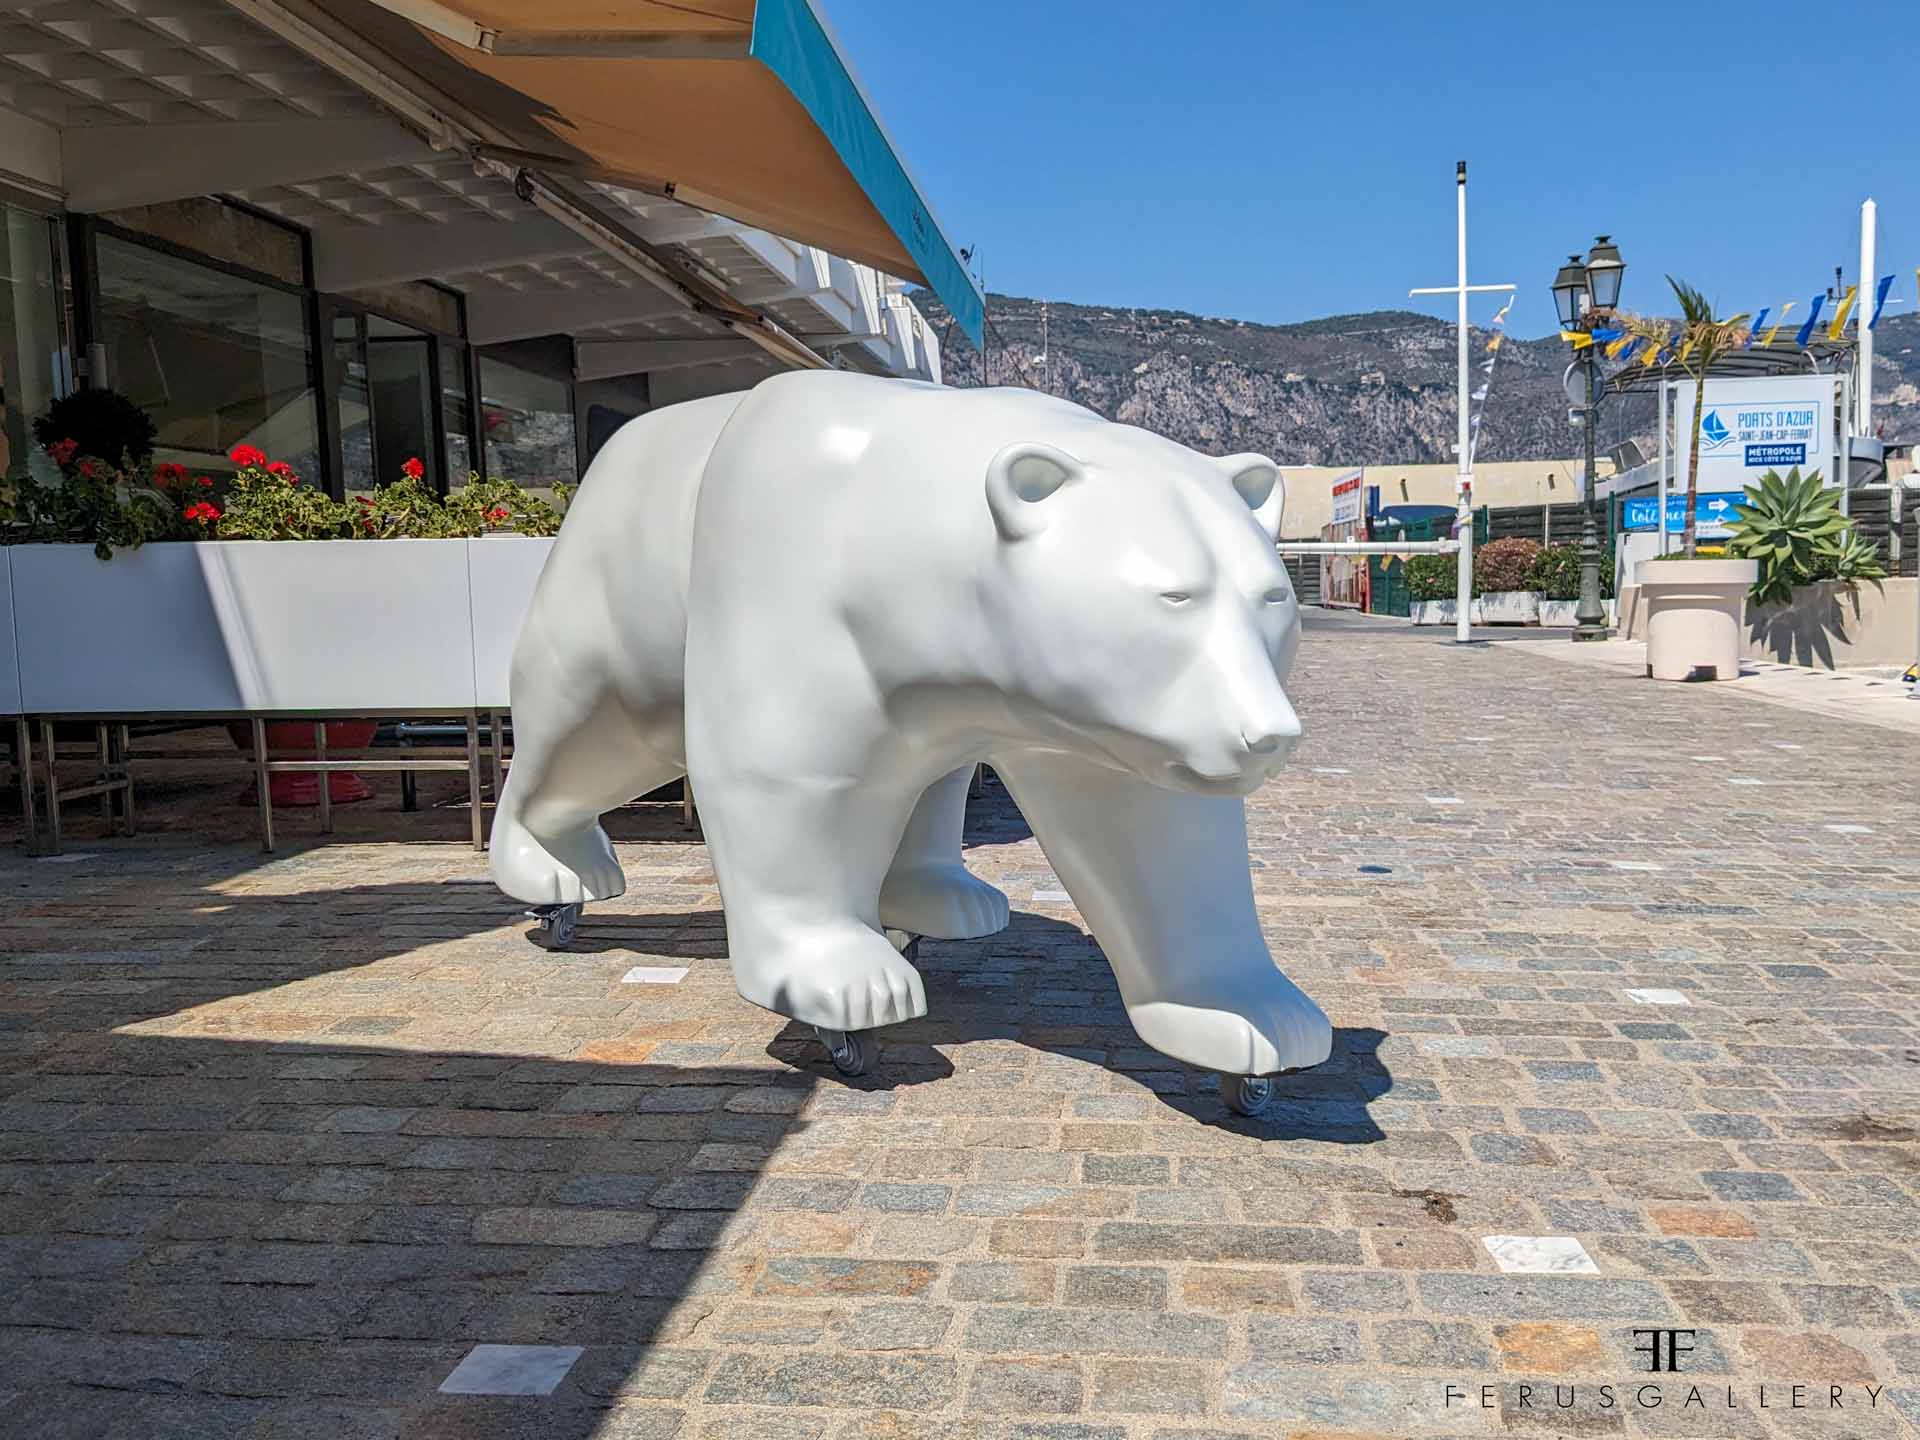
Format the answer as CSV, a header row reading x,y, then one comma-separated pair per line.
x,y
850,1050
1247,1094
557,923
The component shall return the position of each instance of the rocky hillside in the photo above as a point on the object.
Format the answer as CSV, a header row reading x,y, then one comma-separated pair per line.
x,y
1350,389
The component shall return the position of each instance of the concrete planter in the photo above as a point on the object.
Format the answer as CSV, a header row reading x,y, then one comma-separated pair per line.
x,y
1441,612
503,570
1559,614
9,653
1829,625
227,626
1508,607
1694,614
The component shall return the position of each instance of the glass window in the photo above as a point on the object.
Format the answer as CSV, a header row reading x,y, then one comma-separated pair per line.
x,y
31,353
354,406
215,359
527,422
454,411
400,373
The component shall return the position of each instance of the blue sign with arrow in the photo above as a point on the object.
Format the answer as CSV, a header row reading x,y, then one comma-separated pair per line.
x,y
1712,513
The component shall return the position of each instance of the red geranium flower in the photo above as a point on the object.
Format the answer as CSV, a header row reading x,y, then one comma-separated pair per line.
x,y
205,482
413,469
90,468
201,512
282,469
62,451
245,455
498,513
167,474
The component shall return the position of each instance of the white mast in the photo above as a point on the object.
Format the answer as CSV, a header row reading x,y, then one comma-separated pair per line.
x,y
1463,480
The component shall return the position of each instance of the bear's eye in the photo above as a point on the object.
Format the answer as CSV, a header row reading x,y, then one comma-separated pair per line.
x,y
1275,596
1176,597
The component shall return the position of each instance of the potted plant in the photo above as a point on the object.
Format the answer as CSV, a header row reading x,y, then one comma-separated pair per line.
x,y
1695,606
1503,580
1556,575
1810,562
1432,583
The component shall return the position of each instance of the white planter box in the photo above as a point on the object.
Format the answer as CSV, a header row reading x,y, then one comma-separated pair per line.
x,y
1559,614
334,626
1508,607
9,656
503,570
1434,612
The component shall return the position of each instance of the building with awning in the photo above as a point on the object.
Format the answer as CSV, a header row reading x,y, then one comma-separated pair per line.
x,y
352,231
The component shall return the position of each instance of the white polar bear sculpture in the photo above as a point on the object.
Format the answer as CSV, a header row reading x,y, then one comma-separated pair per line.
x,y
826,598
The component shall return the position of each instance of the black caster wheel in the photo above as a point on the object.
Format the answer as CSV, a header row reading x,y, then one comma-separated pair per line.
x,y
557,923
1247,1094
851,1051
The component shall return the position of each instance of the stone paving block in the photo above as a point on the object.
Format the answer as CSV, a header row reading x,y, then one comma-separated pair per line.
x,y
1150,1387
877,1382
1042,1331
1006,1387
1126,1287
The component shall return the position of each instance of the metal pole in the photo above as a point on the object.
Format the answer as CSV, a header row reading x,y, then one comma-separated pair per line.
x,y
1666,459
23,756
324,777
262,781
473,780
53,786
1589,616
1846,444
1463,483
1863,367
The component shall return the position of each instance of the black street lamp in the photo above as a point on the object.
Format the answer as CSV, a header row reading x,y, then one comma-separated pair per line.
x,y
1585,292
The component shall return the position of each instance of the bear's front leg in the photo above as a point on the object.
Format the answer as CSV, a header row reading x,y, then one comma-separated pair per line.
x,y
1163,881
800,863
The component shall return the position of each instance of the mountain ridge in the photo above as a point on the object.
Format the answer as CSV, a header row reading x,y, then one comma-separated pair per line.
x,y
1370,387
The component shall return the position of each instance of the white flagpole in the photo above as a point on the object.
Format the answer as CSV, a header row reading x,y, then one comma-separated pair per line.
x,y
1463,478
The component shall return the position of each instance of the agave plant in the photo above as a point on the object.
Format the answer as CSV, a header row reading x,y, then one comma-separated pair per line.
x,y
1792,526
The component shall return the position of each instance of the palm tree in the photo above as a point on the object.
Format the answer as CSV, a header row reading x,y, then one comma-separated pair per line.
x,y
1703,339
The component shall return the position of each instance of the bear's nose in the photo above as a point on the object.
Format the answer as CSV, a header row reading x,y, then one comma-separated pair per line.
x,y
1272,743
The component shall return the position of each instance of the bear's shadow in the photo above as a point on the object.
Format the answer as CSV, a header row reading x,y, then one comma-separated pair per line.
x,y
1043,984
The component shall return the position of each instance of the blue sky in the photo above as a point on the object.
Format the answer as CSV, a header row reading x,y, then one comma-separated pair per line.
x,y
1277,160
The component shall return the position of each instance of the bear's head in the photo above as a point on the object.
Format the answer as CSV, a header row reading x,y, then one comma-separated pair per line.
x,y
1146,617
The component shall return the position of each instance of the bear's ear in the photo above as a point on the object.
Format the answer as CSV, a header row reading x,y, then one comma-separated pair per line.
x,y
1020,479
1259,483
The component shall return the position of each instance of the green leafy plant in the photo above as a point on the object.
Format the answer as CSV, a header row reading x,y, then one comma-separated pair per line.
x,y
266,500
101,423
1432,577
481,506
1502,565
1792,527
404,510
110,495
1556,574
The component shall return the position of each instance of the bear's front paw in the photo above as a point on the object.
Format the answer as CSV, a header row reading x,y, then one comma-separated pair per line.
x,y
943,901
849,979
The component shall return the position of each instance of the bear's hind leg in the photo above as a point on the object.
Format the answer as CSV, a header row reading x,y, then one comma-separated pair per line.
x,y
1162,879
928,890
548,847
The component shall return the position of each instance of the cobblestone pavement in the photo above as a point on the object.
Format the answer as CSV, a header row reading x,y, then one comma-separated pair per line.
x,y
283,1139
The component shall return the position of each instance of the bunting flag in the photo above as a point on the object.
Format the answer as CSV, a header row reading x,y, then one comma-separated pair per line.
x,y
1754,330
1775,331
1579,339
1880,299
1840,316
1608,334
1627,348
1619,345
1806,326
1687,349
1479,397
1652,357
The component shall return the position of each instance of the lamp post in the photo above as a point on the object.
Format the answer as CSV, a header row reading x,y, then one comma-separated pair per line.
x,y
1584,293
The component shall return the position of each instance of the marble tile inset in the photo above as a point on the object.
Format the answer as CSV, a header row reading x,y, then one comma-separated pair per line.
x,y
511,1370
1540,1255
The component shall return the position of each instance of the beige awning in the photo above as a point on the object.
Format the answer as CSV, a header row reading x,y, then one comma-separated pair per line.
x,y
741,107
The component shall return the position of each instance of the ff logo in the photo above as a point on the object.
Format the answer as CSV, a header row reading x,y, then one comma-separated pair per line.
x,y
1663,1348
